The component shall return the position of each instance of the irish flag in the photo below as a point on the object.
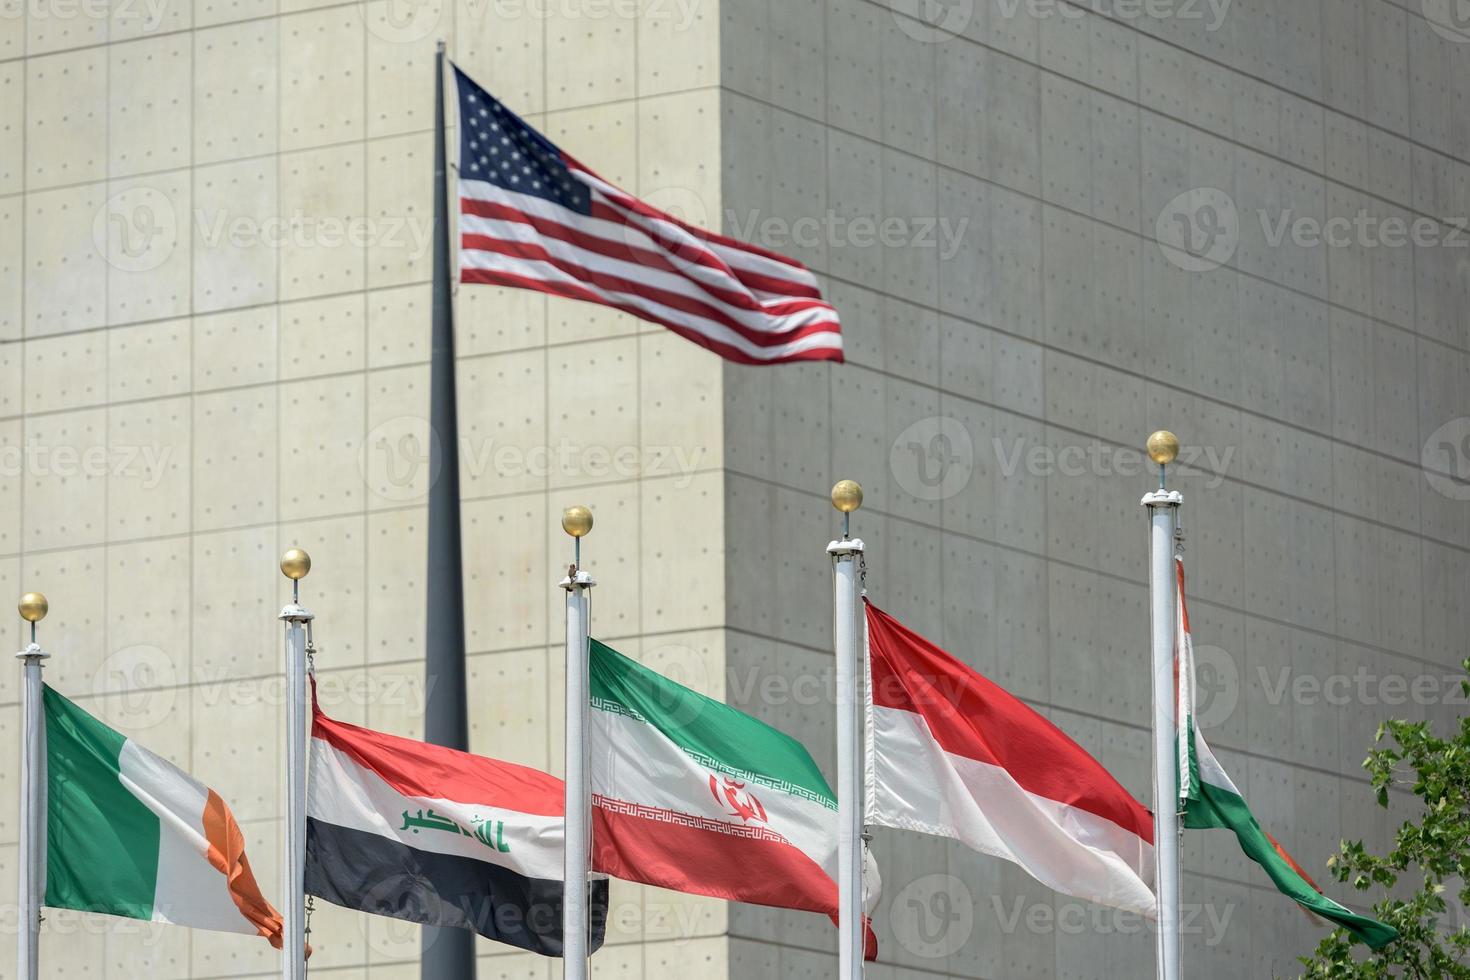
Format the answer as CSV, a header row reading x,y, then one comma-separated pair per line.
x,y
690,794
954,755
1208,798
130,834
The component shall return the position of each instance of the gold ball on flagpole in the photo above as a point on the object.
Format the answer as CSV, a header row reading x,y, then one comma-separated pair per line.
x,y
1163,447
847,496
576,520
33,607
295,564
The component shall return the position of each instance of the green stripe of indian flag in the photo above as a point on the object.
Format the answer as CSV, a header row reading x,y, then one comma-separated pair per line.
x,y
125,829
1208,798
681,738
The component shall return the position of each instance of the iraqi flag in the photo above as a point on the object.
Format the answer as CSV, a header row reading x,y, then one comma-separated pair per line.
x,y
130,834
419,832
1208,798
953,755
690,794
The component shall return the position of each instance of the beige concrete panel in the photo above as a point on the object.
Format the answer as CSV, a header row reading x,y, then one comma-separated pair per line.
x,y
497,318
236,597
10,727
503,48
592,415
235,99
593,45
147,651
674,596
149,87
235,453
398,326
236,222
336,593
149,468
57,27
507,576
394,458
674,960
66,479
13,33
74,943
147,361
12,359
502,425
144,18
683,37
605,138
75,630
322,336
65,272
234,349
614,558
400,58
680,425
64,372
320,441
396,559
322,83
144,232
510,706
13,476
210,12
66,133
12,282
400,210
323,194
12,120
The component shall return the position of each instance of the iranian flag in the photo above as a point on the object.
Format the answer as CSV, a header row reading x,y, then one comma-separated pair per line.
x,y
130,834
1208,798
690,794
954,755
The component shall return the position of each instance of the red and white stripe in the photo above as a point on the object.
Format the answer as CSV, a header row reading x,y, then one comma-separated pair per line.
x,y
745,303
953,755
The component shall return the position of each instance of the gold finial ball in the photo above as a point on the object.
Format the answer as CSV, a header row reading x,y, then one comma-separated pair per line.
x,y
1163,447
33,607
847,495
576,521
295,564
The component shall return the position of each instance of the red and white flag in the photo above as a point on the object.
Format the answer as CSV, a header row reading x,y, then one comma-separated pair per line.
x,y
534,218
952,754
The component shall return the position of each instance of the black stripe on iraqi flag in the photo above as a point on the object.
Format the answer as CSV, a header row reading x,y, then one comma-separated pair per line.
x,y
363,871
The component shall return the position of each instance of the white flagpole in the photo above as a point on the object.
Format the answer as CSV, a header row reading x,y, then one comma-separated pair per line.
x,y
577,521
294,565
1163,509
847,497
33,607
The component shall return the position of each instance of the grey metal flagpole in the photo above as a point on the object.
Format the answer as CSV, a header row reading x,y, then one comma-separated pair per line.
x,y
33,607
575,917
448,954
847,497
1163,510
295,563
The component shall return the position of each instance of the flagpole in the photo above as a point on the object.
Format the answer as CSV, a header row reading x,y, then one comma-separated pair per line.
x,y
448,953
33,607
1163,509
846,554
294,565
577,521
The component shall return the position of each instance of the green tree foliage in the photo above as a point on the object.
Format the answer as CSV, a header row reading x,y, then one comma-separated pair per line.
x,y
1432,853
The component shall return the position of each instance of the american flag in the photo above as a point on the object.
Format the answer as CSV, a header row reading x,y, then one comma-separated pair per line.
x,y
532,217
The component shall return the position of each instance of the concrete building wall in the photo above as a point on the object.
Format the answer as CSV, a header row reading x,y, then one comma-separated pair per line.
x,y
214,251
214,277
999,196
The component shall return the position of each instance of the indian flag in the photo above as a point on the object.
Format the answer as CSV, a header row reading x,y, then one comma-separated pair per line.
x,y
1209,798
130,834
690,794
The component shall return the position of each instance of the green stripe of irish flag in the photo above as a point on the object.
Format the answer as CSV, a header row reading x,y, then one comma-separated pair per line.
x,y
130,834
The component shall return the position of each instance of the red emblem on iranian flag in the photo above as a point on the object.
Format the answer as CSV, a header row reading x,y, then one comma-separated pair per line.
x,y
736,800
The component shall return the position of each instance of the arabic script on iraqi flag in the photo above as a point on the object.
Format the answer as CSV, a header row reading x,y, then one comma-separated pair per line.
x,y
534,218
